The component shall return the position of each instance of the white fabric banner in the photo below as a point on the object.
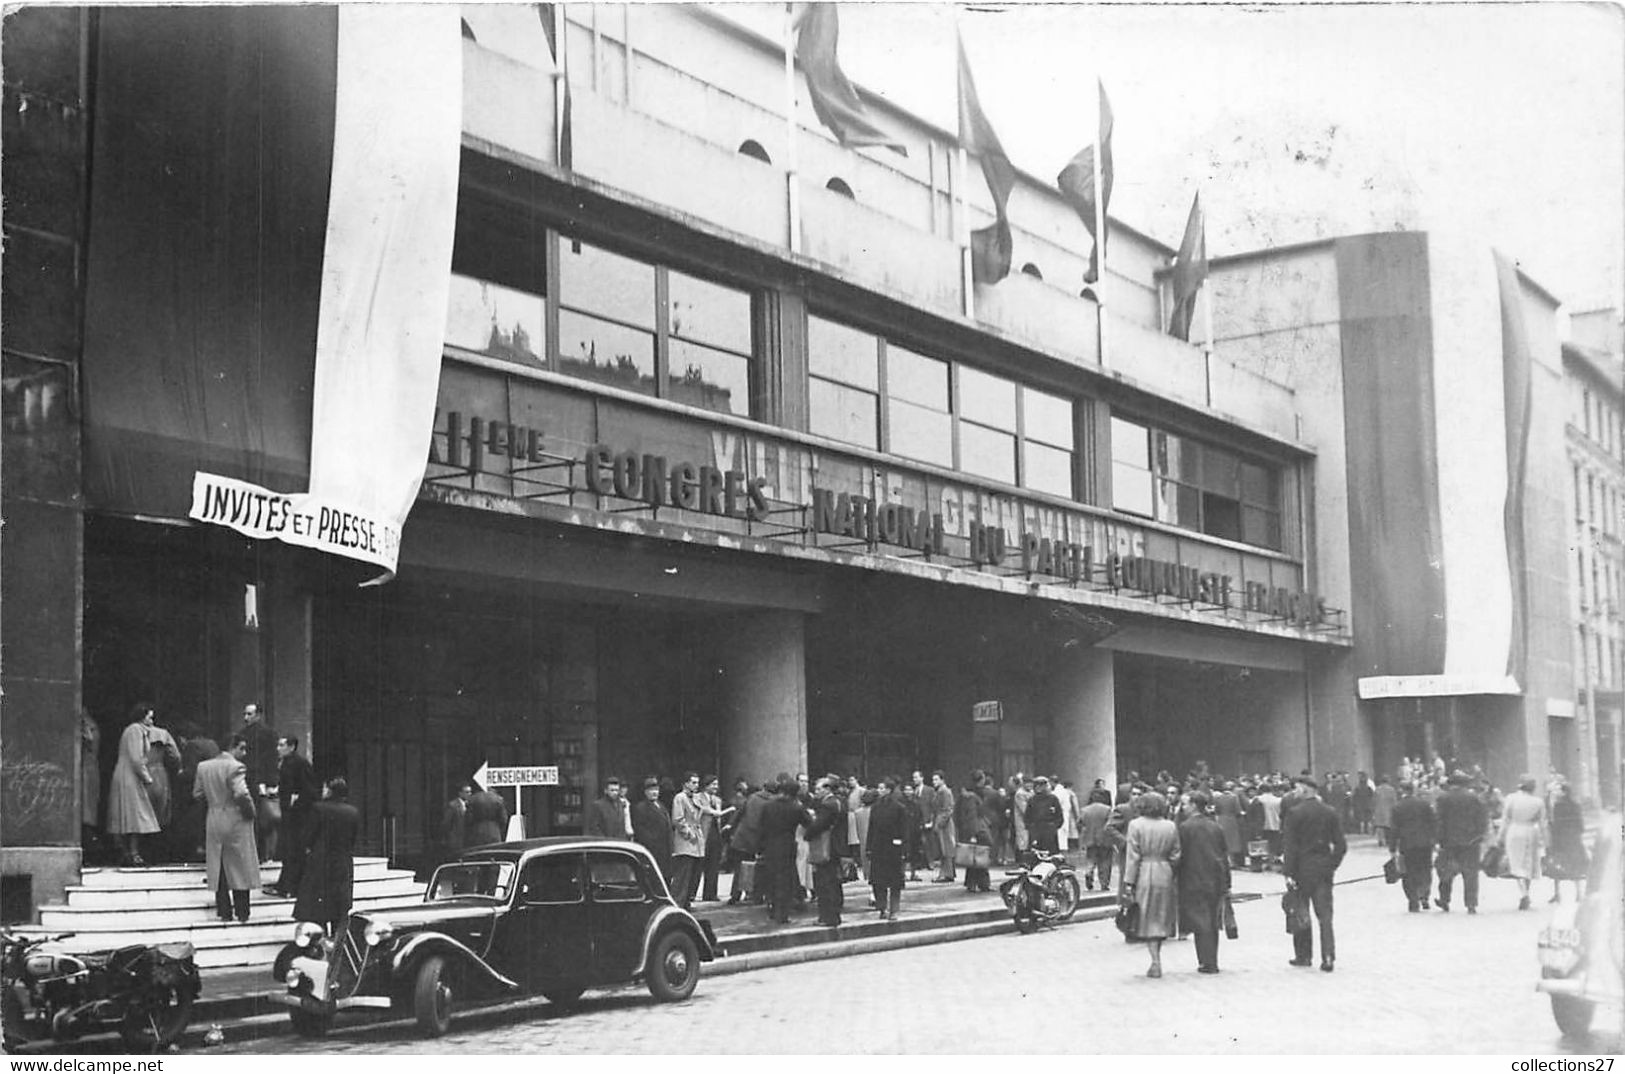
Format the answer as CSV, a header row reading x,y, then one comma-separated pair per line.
x,y
386,271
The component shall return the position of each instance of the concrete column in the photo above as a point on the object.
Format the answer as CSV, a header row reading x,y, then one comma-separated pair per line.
x,y
1083,718
763,665
289,684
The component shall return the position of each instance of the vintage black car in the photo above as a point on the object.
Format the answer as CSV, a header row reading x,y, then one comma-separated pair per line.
x,y
550,917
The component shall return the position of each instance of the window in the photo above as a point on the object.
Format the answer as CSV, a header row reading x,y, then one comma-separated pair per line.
x,y
840,186
614,878
555,878
1196,486
750,147
844,388
918,413
1047,430
987,425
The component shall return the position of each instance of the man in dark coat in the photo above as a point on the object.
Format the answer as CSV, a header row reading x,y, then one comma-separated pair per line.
x,y
781,816
1204,880
326,890
651,825
297,790
1312,849
826,839
262,767
888,830
487,818
912,848
1044,817
1462,822
608,817
454,824
1414,833
746,844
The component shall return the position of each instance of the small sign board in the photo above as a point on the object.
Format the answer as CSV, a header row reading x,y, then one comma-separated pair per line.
x,y
987,712
518,776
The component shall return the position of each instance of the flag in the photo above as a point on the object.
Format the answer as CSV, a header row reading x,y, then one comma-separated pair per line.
x,y
990,246
1077,183
1516,364
552,29
834,98
1190,269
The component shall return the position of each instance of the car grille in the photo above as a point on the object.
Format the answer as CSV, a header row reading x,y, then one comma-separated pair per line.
x,y
349,958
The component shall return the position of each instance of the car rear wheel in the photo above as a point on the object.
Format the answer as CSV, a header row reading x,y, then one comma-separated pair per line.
x,y
432,997
563,995
1573,1016
674,967
307,1024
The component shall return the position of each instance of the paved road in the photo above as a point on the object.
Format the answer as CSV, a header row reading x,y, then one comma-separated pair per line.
x,y
1405,983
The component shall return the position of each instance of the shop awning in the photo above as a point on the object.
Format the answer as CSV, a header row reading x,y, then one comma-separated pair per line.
x,y
1380,686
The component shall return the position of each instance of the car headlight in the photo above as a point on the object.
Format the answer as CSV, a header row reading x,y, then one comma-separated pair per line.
x,y
306,933
378,932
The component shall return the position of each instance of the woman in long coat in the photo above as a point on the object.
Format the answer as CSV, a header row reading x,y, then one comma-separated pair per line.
x,y
162,752
1227,814
129,805
328,883
1567,856
1523,836
1151,853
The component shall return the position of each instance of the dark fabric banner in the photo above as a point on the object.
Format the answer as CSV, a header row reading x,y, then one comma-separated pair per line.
x,y
212,155
1190,270
834,98
1395,541
991,246
1516,366
1076,182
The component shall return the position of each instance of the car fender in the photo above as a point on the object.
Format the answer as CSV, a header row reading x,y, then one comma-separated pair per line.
x,y
406,957
667,917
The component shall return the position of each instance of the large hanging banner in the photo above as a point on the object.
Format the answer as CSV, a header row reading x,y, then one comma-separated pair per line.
x,y
385,277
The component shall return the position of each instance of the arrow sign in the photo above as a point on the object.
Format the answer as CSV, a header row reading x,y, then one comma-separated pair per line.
x,y
518,776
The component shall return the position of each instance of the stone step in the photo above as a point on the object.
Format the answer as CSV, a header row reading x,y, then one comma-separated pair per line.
x,y
187,908
157,876
196,893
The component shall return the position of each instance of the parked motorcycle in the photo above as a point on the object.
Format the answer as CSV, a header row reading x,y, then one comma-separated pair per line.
x,y
1042,890
49,994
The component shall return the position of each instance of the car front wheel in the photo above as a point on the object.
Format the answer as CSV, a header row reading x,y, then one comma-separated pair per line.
x,y
674,967
431,997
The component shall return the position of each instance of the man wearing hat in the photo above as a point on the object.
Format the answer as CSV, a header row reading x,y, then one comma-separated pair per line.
x,y
1462,823
1312,849
1044,817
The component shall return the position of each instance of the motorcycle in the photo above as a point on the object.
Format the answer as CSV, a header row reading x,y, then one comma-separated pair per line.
x,y
1042,890
48,994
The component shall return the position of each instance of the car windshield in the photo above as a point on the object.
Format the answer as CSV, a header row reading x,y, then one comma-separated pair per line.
x,y
488,879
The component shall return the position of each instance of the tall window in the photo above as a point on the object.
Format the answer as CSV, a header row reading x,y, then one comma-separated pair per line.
x,y
866,390
1195,486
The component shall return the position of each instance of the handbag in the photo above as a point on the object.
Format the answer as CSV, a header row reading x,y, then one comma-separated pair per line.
x,y
818,848
973,856
1393,869
1494,861
1128,919
1230,930
1296,908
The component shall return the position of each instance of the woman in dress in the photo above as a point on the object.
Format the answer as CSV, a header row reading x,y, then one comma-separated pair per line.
x,y
1523,836
1567,856
129,804
1151,854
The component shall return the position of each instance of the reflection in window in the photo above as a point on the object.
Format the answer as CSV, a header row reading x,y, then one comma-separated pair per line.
x,y
599,282
1196,486
494,320
709,378
609,353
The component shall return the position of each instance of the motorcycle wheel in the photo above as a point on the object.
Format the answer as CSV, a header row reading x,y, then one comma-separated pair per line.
x,y
158,1023
1067,895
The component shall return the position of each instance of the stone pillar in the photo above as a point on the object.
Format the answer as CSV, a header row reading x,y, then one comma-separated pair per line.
x,y
763,665
1083,718
288,684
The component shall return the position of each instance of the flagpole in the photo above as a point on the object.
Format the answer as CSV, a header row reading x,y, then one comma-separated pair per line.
x,y
966,273
792,185
1207,330
561,76
1100,230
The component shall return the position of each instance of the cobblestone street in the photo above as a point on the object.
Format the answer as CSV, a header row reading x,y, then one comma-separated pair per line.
x,y
1404,983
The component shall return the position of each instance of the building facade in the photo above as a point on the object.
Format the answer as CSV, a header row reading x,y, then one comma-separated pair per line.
x,y
721,478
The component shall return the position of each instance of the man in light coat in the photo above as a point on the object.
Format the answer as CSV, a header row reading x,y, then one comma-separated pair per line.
x,y
690,810
230,857
942,825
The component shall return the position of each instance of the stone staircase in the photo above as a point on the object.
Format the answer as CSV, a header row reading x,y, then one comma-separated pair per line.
x,y
164,904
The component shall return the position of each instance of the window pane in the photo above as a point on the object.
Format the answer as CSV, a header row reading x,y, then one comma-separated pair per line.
x,y
987,399
1046,417
987,452
709,378
1130,443
1176,456
1179,505
598,281
495,320
844,354
1048,470
920,433
1221,472
1260,485
916,378
843,413
608,353
709,313
1131,489
1261,527
1221,517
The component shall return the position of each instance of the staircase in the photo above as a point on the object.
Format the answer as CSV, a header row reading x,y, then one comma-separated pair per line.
x,y
165,904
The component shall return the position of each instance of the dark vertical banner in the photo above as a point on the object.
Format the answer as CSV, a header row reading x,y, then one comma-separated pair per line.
x,y
212,155
1516,367
1395,542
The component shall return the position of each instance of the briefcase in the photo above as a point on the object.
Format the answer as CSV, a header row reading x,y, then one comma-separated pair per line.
x,y
745,878
973,856
1230,929
1393,869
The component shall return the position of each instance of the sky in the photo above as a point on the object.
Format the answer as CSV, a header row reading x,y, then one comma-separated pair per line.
x,y
1300,121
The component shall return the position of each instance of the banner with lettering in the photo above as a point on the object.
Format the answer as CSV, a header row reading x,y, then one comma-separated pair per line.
x,y
299,518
